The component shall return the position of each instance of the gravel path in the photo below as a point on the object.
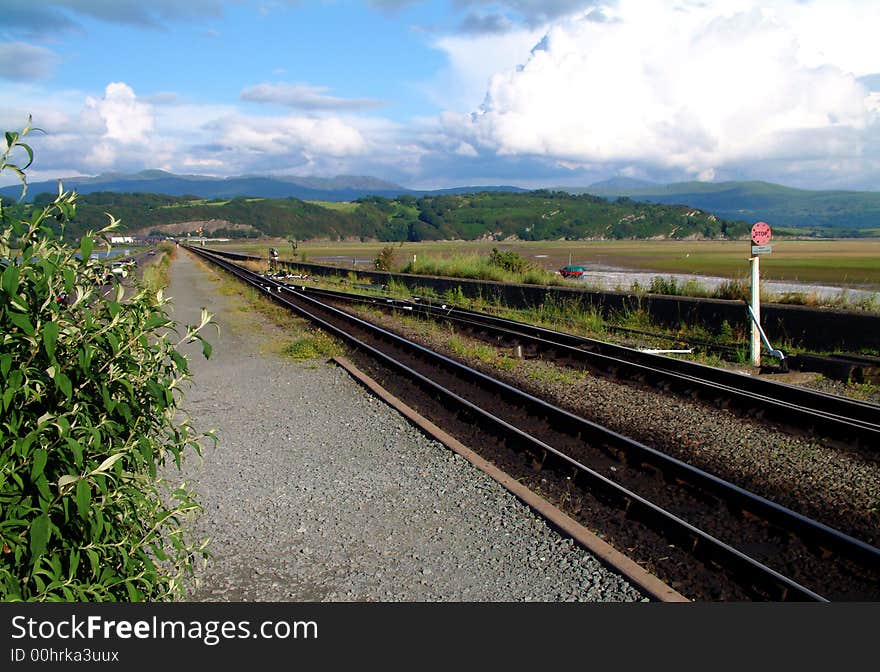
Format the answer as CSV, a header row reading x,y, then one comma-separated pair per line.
x,y
316,491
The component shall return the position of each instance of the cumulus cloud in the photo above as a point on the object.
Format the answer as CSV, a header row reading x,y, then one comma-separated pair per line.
x,y
126,119
25,62
304,97
288,135
471,62
121,131
123,127
734,85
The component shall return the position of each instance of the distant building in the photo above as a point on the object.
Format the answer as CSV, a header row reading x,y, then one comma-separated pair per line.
x,y
121,240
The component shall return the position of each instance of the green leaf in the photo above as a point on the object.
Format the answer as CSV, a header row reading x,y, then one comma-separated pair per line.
x,y
94,561
74,563
67,479
22,322
207,349
86,245
39,535
18,302
83,498
30,154
50,337
45,492
40,459
8,394
5,364
76,449
64,384
69,279
179,361
9,279
106,464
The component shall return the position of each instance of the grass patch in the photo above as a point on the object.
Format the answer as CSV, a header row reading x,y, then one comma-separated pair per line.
x,y
313,345
298,340
156,275
340,206
479,351
549,373
497,267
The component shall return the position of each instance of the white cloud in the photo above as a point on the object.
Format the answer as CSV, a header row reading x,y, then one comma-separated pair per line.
x,y
285,135
692,89
472,60
126,119
120,131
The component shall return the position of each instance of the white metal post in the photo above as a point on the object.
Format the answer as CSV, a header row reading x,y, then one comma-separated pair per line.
x,y
754,262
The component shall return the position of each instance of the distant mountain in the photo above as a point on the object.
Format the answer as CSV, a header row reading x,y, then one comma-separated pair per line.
x,y
619,185
754,201
469,190
339,188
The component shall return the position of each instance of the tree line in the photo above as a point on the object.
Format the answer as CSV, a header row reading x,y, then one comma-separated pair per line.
x,y
535,215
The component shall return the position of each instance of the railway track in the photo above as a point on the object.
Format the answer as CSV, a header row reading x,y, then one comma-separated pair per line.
x,y
798,409
847,367
727,543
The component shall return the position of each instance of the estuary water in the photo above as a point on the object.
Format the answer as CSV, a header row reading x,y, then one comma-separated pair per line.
x,y
614,278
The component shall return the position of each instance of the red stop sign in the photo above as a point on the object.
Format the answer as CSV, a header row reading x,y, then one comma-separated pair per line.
x,y
761,233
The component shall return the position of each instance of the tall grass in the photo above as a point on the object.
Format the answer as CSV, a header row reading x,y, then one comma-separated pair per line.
x,y
155,275
477,267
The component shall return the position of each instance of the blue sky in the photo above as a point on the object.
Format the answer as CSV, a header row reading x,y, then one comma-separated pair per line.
x,y
450,92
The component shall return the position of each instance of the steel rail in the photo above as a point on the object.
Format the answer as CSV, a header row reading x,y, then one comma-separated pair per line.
x,y
838,417
702,544
811,531
578,427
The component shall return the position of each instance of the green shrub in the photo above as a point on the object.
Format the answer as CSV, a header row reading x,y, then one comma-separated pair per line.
x,y
90,379
509,261
385,259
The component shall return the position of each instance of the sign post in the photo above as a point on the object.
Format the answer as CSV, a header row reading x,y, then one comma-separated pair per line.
x,y
761,235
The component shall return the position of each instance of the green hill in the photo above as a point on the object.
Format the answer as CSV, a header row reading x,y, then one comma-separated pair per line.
x,y
830,211
535,215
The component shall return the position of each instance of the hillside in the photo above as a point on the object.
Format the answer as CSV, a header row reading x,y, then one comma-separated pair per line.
x,y
536,215
831,211
334,189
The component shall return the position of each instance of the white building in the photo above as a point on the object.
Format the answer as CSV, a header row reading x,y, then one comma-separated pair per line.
x,y
121,240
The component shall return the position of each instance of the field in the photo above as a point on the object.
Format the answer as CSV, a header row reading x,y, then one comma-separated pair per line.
x,y
851,263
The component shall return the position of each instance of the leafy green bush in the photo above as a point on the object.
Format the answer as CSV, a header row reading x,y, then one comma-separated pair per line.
x,y
509,261
90,375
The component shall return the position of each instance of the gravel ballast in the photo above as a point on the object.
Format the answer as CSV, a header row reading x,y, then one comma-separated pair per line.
x,y
837,485
317,491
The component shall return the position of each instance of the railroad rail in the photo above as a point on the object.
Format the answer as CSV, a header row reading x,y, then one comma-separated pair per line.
x,y
835,565
798,409
803,410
